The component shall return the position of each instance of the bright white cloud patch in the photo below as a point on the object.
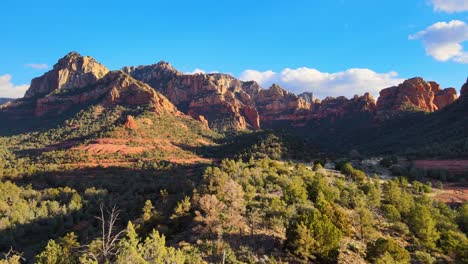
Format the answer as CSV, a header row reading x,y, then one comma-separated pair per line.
x,y
443,40
450,6
197,70
8,90
37,66
323,84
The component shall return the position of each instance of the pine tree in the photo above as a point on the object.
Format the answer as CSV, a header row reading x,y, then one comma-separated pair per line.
x,y
423,225
313,234
63,252
147,210
129,247
387,251
182,208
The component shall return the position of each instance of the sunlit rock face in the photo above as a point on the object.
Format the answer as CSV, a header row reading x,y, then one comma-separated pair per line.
x,y
79,81
222,100
416,93
71,72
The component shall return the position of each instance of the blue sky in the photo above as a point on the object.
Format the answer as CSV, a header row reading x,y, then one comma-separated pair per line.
x,y
329,47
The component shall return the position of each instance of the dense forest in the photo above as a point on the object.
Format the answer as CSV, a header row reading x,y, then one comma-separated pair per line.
x,y
246,197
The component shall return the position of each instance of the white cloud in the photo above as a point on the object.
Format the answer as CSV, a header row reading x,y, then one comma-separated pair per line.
x,y
443,40
37,66
323,84
450,6
8,90
198,70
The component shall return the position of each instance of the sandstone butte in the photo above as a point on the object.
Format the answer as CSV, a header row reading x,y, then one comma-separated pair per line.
x,y
219,101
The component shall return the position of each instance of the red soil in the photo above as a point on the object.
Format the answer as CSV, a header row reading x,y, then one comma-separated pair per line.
x,y
114,145
452,193
454,166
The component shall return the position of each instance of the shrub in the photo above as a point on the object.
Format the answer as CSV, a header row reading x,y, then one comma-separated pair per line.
x,y
385,248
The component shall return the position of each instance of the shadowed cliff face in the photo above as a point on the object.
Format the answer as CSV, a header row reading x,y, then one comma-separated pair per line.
x,y
464,89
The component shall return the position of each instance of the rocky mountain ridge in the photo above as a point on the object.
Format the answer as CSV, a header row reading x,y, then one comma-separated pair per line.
x,y
78,81
220,101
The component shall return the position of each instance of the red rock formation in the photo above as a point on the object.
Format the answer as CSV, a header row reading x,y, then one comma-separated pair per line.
x,y
130,123
445,97
415,94
277,104
217,100
72,72
77,80
252,116
204,121
332,108
116,88
223,100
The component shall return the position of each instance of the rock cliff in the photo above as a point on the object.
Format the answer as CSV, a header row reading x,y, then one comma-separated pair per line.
x,y
217,100
71,72
223,101
415,94
80,81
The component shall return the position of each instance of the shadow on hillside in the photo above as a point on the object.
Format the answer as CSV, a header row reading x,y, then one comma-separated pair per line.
x,y
260,144
12,125
126,188
31,238
159,175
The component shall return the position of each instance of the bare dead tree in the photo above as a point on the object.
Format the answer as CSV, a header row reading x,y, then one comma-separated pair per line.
x,y
109,238
13,256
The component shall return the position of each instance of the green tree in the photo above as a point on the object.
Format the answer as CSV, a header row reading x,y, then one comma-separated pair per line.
x,y
182,208
128,251
154,250
75,202
147,211
391,213
63,252
387,251
423,225
462,217
313,234
424,257
317,167
366,222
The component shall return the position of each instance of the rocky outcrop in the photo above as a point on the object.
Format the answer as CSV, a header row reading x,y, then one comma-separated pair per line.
x,y
72,72
333,108
277,104
203,120
224,101
116,88
130,123
415,94
308,97
219,101
80,81
445,97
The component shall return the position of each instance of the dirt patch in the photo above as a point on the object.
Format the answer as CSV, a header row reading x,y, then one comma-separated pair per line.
x,y
454,193
109,146
453,166
194,160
